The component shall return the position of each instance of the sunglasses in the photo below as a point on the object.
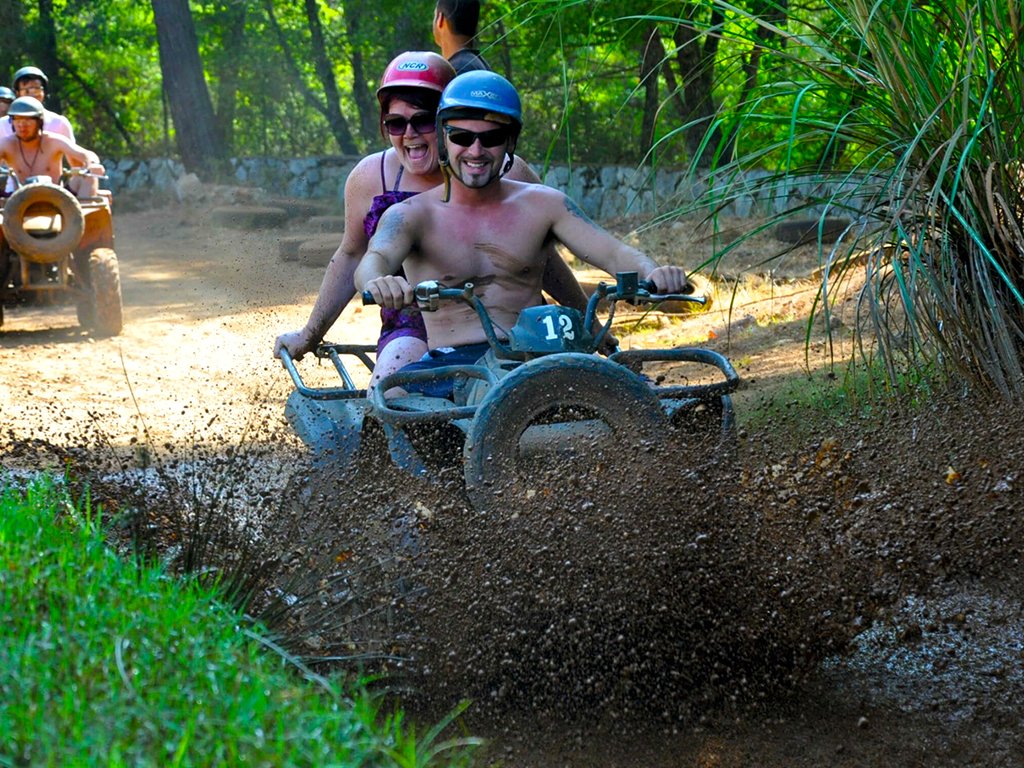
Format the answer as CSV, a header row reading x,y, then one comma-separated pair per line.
x,y
464,138
422,122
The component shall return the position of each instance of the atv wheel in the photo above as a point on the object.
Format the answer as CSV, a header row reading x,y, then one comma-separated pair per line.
x,y
43,200
551,424
101,310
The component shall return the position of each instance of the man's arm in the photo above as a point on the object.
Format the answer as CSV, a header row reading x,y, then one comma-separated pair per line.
x,y
596,246
337,288
387,250
79,155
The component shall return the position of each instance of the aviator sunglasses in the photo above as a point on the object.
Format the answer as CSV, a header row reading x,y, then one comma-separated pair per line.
x,y
422,122
464,138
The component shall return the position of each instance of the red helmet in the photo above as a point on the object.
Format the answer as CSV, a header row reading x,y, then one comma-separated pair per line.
x,y
416,69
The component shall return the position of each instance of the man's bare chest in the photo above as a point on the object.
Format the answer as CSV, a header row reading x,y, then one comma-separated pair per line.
x,y
501,244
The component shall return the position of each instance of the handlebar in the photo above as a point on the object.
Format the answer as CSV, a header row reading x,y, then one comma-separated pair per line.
x,y
628,287
428,294
65,173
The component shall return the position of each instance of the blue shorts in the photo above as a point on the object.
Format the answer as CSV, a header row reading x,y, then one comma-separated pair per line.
x,y
438,358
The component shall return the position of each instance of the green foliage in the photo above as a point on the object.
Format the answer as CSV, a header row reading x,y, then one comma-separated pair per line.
x,y
102,662
927,135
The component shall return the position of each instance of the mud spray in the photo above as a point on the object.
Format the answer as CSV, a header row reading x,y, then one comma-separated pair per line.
x,y
676,586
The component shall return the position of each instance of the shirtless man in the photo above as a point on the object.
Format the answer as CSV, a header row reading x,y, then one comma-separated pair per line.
x,y
484,228
31,151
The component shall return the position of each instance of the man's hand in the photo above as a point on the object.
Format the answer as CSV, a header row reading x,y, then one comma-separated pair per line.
x,y
391,291
297,343
671,279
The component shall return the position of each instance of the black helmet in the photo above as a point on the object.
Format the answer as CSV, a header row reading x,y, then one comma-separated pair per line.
x,y
30,73
26,106
6,94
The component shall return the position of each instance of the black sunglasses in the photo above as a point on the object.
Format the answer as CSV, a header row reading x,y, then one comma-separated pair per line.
x,y
422,122
464,138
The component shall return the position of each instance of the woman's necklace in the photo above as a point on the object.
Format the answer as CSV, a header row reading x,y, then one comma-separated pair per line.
x,y
31,165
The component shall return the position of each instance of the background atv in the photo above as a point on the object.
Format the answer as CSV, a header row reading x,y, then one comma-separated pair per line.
x,y
536,413
55,243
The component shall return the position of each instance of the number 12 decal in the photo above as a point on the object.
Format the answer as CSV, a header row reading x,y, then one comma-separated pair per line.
x,y
564,325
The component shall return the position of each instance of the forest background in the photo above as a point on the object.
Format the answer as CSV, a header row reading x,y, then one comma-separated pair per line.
x,y
609,82
914,106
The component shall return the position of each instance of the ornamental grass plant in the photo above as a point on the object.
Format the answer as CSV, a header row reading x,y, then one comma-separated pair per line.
x,y
105,661
914,112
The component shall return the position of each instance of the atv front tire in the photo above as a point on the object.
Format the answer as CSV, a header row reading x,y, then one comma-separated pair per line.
x,y
552,422
100,310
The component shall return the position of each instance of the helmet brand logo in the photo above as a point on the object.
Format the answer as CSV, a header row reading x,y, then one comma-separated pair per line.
x,y
482,94
412,66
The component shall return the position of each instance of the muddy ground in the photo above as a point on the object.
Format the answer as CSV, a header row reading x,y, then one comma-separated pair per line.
x,y
842,589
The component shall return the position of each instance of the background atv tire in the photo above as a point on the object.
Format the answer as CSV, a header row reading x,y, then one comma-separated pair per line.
x,y
317,251
498,472
249,217
101,311
43,199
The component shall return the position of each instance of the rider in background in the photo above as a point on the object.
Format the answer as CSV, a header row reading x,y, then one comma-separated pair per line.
x,y
31,81
484,228
33,151
455,25
6,97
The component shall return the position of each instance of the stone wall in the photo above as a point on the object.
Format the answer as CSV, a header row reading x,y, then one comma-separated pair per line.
x,y
602,192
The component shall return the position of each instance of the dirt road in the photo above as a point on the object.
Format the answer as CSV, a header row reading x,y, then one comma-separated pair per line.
x,y
936,681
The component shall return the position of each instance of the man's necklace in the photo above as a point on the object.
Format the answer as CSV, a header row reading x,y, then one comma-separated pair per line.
x,y
31,165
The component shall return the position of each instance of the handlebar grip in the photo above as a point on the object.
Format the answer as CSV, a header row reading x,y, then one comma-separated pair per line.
x,y
368,298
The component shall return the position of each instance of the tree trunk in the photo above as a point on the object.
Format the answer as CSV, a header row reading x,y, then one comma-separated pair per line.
x,y
339,128
191,109
232,18
369,111
696,63
651,53
48,60
325,72
12,14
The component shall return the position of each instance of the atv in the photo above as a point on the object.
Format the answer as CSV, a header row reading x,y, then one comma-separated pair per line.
x,y
54,243
528,405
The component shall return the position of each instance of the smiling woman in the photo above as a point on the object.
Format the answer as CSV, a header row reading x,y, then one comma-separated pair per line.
x,y
409,93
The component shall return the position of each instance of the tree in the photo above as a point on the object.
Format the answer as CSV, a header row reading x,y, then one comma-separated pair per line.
x,y
195,127
12,23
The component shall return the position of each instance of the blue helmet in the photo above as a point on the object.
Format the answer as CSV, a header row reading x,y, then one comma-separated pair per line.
x,y
480,95
481,91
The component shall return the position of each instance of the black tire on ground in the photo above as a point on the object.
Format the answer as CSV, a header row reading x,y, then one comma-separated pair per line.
x,y
325,224
105,291
317,251
250,217
43,199
805,231
616,414
300,207
288,246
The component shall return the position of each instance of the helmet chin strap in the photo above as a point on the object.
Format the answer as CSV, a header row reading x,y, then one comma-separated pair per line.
x,y
446,172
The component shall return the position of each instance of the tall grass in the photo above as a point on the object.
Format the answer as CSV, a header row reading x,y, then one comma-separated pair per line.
x,y
915,110
106,662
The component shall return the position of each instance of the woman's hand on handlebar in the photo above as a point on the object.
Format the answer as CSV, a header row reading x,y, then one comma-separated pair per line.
x,y
671,279
391,291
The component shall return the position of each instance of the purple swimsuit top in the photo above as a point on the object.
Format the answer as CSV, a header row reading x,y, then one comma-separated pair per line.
x,y
384,200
